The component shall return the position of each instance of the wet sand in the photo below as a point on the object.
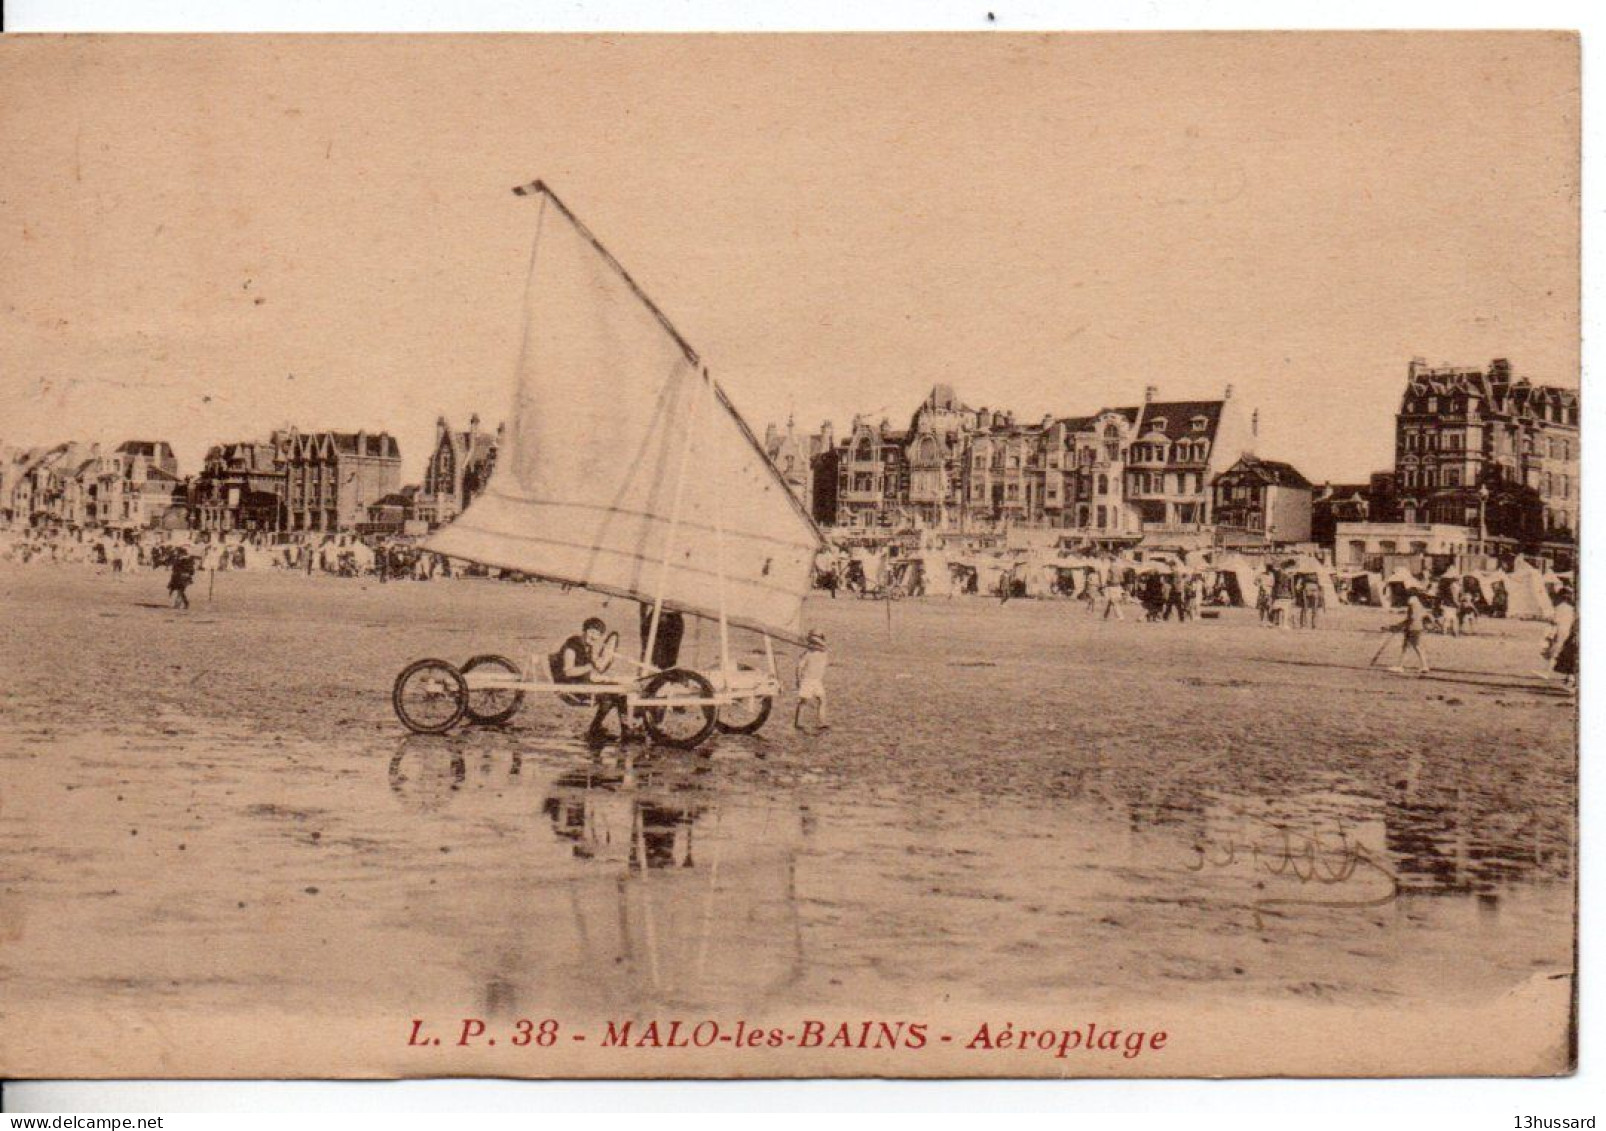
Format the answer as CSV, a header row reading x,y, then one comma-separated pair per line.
x,y
214,814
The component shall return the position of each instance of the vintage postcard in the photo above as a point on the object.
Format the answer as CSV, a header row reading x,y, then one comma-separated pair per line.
x,y
748,556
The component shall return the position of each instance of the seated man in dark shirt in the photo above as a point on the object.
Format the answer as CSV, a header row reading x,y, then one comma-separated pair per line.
x,y
584,658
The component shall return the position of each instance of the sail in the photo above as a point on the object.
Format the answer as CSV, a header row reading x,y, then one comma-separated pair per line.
x,y
625,468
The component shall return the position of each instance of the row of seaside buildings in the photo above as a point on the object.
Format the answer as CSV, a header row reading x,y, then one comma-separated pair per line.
x,y
291,482
1485,463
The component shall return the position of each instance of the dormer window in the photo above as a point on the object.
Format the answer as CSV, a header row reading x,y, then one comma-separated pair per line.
x,y
1200,423
1157,424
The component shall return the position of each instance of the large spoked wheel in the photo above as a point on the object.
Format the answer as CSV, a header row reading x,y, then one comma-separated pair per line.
x,y
744,716
685,727
492,706
429,697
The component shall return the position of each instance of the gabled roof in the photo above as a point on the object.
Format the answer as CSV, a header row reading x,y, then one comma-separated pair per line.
x,y
1269,471
1504,393
1178,417
345,443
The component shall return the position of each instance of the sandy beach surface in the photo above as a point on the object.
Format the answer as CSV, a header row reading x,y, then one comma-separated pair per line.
x,y
221,853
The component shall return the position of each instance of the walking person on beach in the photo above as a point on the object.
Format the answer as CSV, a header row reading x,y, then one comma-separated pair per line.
x,y
1561,642
1315,601
178,582
1410,630
1282,601
1114,598
811,683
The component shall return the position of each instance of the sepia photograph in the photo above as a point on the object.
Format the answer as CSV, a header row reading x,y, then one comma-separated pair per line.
x,y
750,556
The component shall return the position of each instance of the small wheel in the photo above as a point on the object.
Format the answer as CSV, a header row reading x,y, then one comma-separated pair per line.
x,y
492,706
429,696
744,716
681,727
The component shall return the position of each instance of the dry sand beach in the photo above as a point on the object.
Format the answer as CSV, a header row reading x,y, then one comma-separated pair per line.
x,y
204,811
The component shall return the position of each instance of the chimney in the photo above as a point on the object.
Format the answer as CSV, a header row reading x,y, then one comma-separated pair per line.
x,y
474,425
501,433
1254,423
1227,396
440,426
1418,364
772,436
1149,393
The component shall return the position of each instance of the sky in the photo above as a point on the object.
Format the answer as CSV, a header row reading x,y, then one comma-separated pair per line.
x,y
204,239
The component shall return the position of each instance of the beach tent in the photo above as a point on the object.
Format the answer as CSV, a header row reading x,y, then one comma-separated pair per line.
x,y
1361,586
1398,586
990,573
1038,572
1076,573
962,570
921,575
1239,576
1526,598
1556,582
1307,566
938,578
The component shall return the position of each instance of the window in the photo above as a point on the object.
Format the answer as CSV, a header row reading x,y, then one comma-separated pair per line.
x,y
1104,489
1566,487
1101,518
1200,423
1452,477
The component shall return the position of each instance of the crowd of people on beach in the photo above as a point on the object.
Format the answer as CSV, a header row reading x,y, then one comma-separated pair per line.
x,y
338,555
1286,594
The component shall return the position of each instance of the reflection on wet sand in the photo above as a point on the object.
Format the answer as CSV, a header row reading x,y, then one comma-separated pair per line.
x,y
505,874
678,896
689,882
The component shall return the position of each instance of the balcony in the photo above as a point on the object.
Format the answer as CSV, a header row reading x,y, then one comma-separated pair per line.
x,y
870,496
1176,527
